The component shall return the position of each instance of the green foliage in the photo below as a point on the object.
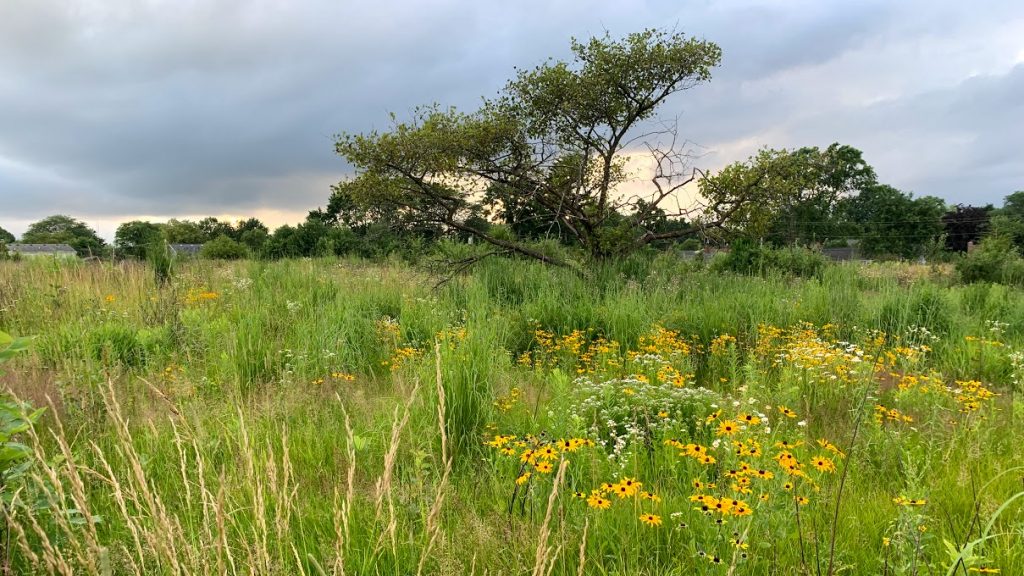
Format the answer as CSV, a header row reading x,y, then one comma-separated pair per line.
x,y
227,394
5,236
1008,221
747,257
15,419
893,223
161,259
788,197
132,239
184,232
10,346
690,244
995,259
62,229
448,168
114,344
223,248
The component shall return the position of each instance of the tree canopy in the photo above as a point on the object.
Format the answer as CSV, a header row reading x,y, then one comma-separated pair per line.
x,y
132,239
556,139
788,196
60,229
5,236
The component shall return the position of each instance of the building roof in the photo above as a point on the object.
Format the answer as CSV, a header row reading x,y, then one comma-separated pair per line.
x,y
41,248
186,248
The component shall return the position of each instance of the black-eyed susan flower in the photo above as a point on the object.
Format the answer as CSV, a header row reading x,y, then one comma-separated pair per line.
x,y
823,464
727,428
651,519
547,453
599,502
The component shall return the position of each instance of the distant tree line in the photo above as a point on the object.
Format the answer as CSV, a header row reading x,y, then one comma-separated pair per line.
x,y
843,206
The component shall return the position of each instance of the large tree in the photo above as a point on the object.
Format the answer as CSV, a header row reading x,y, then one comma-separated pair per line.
x,y
557,138
60,229
893,223
133,238
6,237
797,192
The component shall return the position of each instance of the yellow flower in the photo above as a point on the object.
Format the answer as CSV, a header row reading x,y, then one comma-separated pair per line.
x,y
787,412
597,501
741,509
651,519
543,467
523,479
823,464
727,428
547,453
985,570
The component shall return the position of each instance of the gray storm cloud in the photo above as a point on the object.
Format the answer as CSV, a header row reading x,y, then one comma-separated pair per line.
x,y
119,108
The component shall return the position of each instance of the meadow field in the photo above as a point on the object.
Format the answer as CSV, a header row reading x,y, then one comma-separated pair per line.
x,y
652,416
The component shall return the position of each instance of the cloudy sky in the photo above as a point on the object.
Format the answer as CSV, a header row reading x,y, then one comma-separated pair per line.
x,y
114,109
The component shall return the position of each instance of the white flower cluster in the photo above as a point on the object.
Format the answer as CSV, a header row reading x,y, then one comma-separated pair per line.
x,y
621,412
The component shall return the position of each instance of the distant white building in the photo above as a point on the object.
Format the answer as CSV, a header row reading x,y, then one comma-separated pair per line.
x,y
36,250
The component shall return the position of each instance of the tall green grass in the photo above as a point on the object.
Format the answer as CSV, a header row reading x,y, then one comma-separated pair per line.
x,y
210,436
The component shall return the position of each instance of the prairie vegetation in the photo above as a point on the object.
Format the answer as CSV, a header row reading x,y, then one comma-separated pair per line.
x,y
648,417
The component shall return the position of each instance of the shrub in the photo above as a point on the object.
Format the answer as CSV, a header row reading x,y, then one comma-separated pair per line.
x,y
746,257
690,244
994,260
223,248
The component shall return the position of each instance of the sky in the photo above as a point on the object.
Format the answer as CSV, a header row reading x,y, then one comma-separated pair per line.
x,y
113,110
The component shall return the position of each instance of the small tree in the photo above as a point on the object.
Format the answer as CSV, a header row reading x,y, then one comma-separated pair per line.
x,y
223,248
